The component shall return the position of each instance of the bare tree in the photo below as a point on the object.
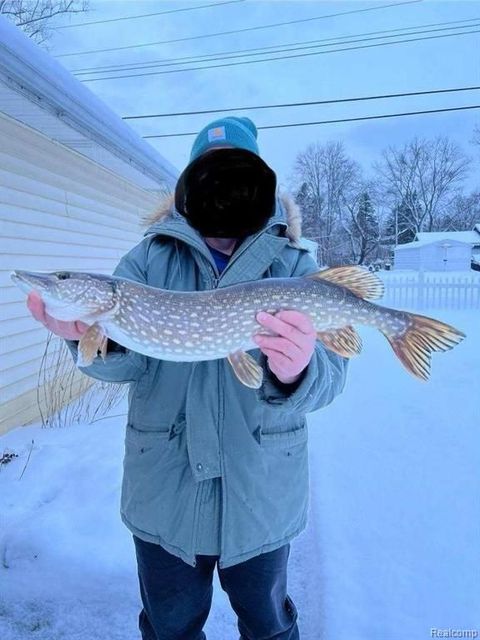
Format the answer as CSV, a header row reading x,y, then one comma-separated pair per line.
x,y
476,135
361,225
425,176
463,214
35,17
324,176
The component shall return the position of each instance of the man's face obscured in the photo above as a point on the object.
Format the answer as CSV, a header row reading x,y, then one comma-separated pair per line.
x,y
226,193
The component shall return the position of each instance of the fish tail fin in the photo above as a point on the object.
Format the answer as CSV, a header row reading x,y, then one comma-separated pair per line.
x,y
423,335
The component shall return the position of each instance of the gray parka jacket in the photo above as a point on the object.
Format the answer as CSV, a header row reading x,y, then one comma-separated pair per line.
x,y
211,466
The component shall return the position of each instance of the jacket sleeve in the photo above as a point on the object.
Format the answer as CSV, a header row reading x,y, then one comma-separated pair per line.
x,y
121,364
319,383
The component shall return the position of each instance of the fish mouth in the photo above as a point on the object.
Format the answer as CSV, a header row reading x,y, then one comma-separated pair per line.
x,y
46,285
29,280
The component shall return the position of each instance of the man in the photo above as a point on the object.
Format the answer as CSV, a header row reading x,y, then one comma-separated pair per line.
x,y
216,472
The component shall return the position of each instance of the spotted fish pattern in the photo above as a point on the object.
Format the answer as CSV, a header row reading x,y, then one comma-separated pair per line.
x,y
187,326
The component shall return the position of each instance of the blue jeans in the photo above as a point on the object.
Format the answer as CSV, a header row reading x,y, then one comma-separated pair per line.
x,y
177,597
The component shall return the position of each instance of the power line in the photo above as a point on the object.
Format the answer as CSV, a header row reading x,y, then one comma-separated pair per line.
x,y
229,55
225,33
303,104
298,55
145,64
149,15
307,124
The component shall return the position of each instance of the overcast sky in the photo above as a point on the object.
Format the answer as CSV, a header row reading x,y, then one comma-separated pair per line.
x,y
416,66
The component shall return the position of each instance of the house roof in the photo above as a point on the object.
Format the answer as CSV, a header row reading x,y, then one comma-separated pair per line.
x,y
416,244
470,237
38,91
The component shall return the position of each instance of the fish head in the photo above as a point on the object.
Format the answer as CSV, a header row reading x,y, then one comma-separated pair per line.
x,y
69,295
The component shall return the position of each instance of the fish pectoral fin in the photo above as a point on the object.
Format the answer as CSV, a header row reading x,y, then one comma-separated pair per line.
x,y
359,280
247,369
91,341
103,347
345,341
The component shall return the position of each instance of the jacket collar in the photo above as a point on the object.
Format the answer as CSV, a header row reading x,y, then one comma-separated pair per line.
x,y
287,215
284,227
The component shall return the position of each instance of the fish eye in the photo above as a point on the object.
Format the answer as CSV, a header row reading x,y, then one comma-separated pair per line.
x,y
63,275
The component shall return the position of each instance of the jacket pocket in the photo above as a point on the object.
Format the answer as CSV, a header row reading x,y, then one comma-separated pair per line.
x,y
157,489
139,442
288,438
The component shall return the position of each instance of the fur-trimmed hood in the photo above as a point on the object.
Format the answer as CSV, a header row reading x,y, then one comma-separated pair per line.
x,y
287,213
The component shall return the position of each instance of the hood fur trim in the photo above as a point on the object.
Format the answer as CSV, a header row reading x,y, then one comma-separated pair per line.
x,y
292,215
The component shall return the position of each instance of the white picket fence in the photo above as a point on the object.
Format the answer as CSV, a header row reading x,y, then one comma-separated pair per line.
x,y
431,290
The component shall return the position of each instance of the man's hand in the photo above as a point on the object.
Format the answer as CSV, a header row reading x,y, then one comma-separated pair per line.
x,y
291,350
70,330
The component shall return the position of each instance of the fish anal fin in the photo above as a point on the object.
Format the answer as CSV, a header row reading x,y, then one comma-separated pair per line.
x,y
344,341
359,280
415,345
247,369
91,341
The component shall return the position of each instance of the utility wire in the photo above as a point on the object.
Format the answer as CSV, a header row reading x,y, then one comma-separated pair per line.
x,y
298,55
149,15
339,40
302,104
308,124
145,64
225,33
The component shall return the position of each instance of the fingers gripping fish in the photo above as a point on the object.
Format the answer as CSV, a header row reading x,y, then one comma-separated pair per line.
x,y
186,326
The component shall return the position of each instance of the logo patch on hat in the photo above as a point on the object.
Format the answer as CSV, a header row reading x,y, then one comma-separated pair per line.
x,y
218,133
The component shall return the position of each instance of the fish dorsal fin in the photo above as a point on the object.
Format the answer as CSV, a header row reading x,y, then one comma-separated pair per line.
x,y
359,280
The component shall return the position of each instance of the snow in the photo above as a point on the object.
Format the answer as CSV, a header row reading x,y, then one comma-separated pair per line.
x,y
469,274
48,83
470,237
391,550
457,237
428,241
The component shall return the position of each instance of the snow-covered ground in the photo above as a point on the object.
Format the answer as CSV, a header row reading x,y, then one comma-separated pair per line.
x,y
392,550
466,274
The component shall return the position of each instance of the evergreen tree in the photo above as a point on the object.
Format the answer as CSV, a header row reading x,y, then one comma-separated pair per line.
x,y
402,222
365,229
311,226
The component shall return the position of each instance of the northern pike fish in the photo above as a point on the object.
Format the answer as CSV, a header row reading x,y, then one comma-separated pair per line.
x,y
187,326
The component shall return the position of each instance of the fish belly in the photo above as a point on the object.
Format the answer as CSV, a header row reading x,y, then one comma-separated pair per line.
x,y
176,347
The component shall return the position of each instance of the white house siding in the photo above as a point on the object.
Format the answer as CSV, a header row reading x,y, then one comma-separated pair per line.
x,y
433,256
447,256
58,210
407,258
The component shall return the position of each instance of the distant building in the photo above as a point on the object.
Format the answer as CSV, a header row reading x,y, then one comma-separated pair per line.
x,y
75,180
440,251
476,249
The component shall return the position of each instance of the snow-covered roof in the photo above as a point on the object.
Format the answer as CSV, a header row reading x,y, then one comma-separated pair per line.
x,y
470,237
38,91
416,244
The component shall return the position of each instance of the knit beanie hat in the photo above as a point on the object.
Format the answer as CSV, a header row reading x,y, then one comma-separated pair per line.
x,y
237,132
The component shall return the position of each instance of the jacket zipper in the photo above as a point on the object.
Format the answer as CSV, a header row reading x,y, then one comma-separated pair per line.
x,y
215,275
223,492
215,279
221,404
200,490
